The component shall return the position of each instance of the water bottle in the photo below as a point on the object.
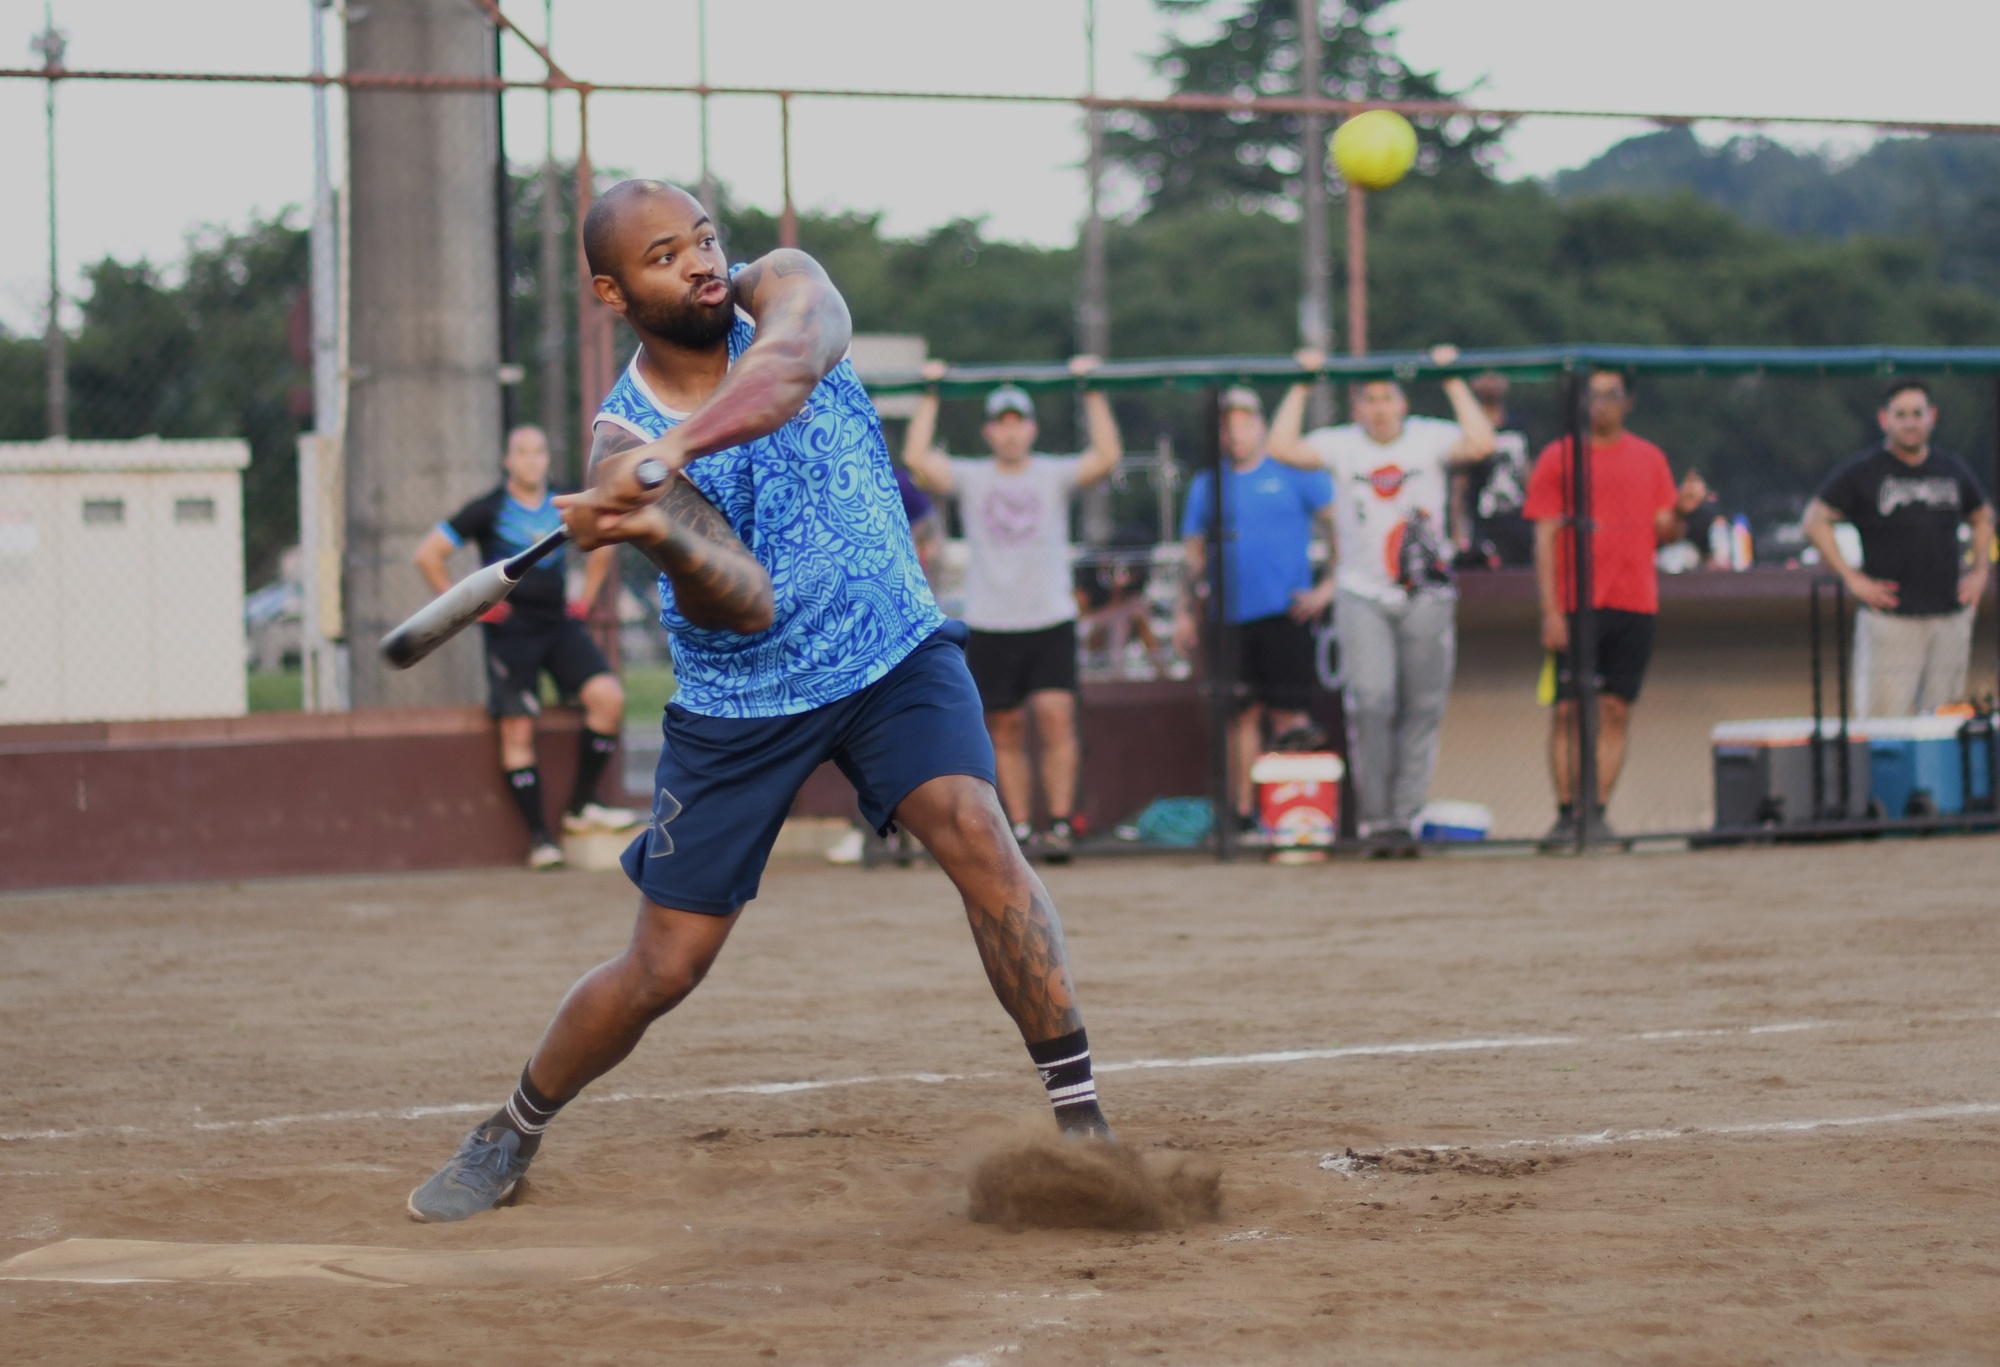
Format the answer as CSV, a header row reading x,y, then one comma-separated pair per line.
x,y
1742,549
1719,543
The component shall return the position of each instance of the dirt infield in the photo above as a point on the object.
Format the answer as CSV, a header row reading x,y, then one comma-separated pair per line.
x,y
1631,1063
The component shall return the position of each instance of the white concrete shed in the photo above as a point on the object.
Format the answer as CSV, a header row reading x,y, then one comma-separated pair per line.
x,y
121,580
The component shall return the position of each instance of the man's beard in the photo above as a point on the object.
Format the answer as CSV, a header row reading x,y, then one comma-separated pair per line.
x,y
682,321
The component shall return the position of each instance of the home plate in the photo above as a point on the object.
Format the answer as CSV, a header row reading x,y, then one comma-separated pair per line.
x,y
139,1260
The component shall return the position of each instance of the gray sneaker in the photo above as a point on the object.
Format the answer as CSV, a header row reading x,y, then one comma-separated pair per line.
x,y
482,1174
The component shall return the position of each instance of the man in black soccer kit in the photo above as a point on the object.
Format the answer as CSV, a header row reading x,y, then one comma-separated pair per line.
x,y
1917,588
538,628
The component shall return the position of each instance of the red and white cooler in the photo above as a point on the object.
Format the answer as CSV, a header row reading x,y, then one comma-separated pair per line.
x,y
1298,797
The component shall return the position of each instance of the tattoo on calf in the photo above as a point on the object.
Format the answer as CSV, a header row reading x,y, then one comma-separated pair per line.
x,y
1022,948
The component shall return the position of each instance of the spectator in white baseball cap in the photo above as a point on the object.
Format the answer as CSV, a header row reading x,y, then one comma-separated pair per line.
x,y
1018,599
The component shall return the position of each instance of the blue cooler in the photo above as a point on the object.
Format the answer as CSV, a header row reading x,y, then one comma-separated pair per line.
x,y
1446,820
1919,766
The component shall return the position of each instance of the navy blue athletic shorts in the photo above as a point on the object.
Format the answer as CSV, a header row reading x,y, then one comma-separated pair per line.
x,y
726,784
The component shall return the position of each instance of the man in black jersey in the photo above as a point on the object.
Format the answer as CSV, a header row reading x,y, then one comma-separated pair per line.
x,y
1917,585
538,628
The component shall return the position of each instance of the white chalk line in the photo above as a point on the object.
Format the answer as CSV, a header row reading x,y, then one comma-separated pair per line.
x,y
1272,1057
1905,1117
1348,1167
276,1122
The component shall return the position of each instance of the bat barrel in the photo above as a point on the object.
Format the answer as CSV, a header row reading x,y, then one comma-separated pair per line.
x,y
445,616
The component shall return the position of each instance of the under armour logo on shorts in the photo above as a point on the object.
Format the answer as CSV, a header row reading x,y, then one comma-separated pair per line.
x,y
665,808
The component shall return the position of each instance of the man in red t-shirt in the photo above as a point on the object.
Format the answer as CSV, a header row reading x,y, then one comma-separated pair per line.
x,y
1636,510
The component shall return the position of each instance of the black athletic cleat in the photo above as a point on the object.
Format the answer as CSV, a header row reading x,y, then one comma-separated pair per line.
x,y
1391,840
1085,1122
1562,835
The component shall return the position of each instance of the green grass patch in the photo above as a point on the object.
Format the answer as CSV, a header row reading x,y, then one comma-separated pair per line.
x,y
284,691
648,690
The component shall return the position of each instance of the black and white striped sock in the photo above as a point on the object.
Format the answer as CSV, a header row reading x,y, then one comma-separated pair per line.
x,y
1064,1064
527,1113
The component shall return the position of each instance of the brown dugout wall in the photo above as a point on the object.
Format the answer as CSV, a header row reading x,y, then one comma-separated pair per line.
x,y
289,793
263,795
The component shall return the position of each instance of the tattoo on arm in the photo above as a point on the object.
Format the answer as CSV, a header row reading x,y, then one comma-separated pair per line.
x,y
809,308
803,330
607,441
778,264
1021,945
717,581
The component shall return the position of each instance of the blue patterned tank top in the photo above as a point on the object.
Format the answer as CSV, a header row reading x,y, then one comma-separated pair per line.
x,y
816,503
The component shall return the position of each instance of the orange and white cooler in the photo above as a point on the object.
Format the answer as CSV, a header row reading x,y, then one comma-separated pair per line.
x,y
1298,797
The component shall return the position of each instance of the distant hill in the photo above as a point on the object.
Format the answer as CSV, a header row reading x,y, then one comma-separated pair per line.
x,y
1941,191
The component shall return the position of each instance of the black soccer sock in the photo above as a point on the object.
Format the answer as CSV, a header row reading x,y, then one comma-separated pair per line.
x,y
527,1113
1064,1064
594,750
526,786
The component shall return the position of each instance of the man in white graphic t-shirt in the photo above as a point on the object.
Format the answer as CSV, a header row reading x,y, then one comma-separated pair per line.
x,y
1018,599
1396,605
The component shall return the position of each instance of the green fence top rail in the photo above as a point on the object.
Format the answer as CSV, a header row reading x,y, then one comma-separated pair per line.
x,y
1534,363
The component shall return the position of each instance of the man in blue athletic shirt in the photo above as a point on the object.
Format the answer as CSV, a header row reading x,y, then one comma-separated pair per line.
x,y
802,631
538,628
1272,510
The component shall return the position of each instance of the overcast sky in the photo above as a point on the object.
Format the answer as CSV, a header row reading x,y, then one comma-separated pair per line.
x,y
141,166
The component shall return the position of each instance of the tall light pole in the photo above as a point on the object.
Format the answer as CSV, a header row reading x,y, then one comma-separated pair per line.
x,y
50,45
701,77
321,472
324,250
552,281
1315,284
788,215
1093,314
1093,310
1357,270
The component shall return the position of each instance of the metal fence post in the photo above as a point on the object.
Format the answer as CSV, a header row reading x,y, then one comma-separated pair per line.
x,y
1583,629
1816,747
597,372
1221,641
1840,667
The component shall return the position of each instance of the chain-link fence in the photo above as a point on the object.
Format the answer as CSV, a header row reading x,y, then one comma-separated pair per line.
x,y
1711,714
183,388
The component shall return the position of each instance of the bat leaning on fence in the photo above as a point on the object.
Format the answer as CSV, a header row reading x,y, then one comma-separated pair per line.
x,y
460,605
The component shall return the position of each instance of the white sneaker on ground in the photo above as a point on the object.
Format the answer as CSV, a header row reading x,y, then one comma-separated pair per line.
x,y
595,818
545,858
847,849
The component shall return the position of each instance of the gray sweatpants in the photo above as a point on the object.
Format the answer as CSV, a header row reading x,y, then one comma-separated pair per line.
x,y
1907,665
1398,662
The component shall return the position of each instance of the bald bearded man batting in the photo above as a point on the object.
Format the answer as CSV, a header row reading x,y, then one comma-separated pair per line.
x,y
802,631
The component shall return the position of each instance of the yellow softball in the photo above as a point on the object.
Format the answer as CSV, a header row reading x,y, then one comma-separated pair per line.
x,y
1374,149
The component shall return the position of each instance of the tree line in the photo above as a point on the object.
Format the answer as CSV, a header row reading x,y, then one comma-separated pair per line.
x,y
1658,241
